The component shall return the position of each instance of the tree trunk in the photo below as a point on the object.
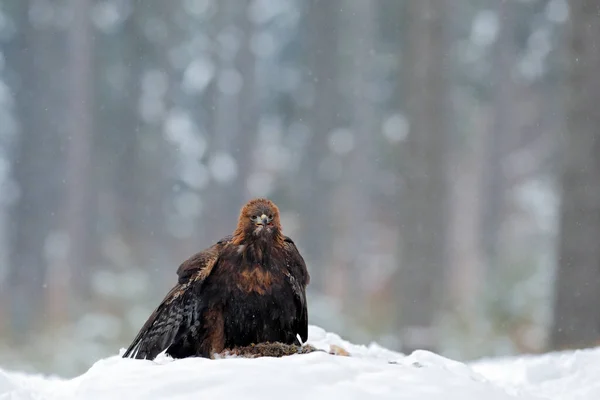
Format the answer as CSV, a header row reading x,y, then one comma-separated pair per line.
x,y
34,62
424,196
357,43
80,119
499,138
576,317
311,186
236,119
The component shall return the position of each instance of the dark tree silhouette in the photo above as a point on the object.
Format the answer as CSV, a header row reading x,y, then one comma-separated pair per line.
x,y
576,316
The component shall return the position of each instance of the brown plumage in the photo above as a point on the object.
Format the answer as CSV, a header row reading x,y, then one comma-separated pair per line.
x,y
248,288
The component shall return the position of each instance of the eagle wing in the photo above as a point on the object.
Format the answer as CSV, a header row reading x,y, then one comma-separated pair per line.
x,y
298,277
201,260
179,314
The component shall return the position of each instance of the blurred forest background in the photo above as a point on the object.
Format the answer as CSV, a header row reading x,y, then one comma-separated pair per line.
x,y
435,161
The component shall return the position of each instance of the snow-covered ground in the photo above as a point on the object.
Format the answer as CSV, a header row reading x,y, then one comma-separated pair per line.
x,y
370,373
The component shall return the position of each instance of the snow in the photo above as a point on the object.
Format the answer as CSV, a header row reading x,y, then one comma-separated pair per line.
x,y
372,372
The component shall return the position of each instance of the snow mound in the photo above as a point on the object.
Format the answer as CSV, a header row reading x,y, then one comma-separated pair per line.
x,y
372,372
572,375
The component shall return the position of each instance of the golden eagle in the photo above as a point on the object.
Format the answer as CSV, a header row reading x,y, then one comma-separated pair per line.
x,y
248,288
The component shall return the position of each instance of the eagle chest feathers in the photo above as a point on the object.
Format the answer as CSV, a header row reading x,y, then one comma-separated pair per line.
x,y
256,279
256,308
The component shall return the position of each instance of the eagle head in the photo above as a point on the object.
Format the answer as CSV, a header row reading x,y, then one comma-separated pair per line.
x,y
259,218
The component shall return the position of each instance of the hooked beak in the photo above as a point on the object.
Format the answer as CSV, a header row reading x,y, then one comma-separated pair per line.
x,y
264,220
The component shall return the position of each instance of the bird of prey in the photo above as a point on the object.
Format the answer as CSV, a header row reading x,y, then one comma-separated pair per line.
x,y
248,288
